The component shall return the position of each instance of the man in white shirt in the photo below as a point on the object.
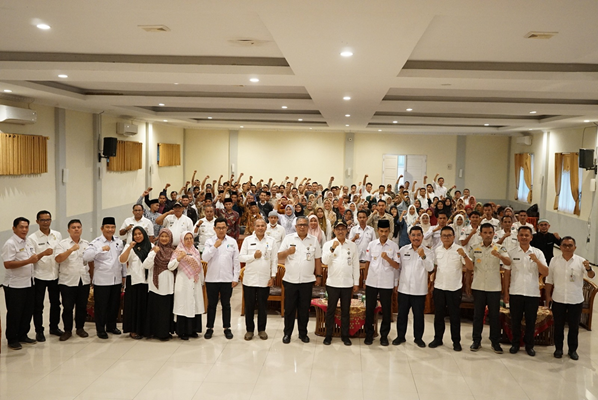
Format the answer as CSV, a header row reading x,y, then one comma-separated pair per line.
x,y
260,255
434,232
340,255
274,230
450,259
382,266
303,256
439,188
506,236
488,217
45,272
73,280
19,291
564,287
108,277
523,293
522,221
176,222
362,234
126,229
366,189
470,235
417,262
204,228
222,255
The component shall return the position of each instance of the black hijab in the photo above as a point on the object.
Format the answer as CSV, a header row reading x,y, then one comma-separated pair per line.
x,y
142,249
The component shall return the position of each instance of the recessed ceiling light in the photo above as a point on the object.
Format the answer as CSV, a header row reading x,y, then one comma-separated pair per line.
x,y
410,109
346,53
379,130
347,98
300,119
529,129
241,126
165,120
285,107
63,76
209,117
254,80
176,83
311,128
10,91
161,104
44,27
532,112
395,122
347,115
585,120
486,124
347,125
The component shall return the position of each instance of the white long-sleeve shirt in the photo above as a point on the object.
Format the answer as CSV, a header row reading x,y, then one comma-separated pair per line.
x,y
258,271
223,261
108,270
46,267
17,249
73,269
413,277
380,273
343,264
567,279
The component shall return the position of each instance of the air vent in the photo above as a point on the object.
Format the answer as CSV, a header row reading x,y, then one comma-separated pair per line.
x,y
540,35
247,42
154,28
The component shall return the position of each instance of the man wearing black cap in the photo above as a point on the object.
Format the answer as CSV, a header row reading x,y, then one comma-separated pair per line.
x,y
232,218
152,214
249,217
176,222
382,264
108,277
342,259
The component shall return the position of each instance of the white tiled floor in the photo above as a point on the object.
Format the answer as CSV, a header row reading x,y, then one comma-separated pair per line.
x,y
122,368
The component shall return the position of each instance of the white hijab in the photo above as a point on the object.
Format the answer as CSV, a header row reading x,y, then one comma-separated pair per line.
x,y
411,218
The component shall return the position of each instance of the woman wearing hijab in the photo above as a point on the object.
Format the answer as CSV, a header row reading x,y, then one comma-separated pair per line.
x,y
135,308
439,209
315,230
458,225
411,216
160,281
353,208
298,210
324,223
430,212
349,218
329,212
287,220
424,222
188,293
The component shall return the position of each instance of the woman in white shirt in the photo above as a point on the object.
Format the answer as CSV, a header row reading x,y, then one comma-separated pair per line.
x,y
135,309
325,224
188,293
161,288
287,220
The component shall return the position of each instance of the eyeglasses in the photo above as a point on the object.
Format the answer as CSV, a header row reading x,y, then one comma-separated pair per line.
x,y
447,236
301,225
567,245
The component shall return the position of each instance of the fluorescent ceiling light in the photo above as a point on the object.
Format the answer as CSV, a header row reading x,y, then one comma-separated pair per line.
x,y
44,27
346,53
63,76
347,98
254,80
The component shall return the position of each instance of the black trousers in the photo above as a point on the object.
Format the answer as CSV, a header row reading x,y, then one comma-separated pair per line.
x,y
406,303
297,300
74,298
225,291
481,299
251,295
19,311
334,294
107,302
521,305
570,313
38,309
371,301
186,326
443,300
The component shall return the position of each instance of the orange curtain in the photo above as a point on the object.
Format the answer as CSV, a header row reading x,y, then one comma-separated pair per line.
x,y
558,171
527,174
518,162
571,164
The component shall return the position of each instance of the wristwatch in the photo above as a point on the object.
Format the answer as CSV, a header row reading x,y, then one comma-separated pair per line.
x,y
331,249
318,276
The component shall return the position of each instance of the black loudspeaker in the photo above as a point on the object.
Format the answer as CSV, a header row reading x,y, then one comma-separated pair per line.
x,y
586,158
109,147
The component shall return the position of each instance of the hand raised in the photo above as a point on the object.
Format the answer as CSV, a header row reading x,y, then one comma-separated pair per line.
x,y
461,252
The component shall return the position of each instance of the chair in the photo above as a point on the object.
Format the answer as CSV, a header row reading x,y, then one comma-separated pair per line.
x,y
589,292
276,291
319,291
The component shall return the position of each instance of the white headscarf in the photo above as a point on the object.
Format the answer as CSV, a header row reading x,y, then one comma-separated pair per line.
x,y
411,218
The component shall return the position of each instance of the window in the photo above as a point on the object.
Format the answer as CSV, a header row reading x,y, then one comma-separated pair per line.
x,y
524,176
567,183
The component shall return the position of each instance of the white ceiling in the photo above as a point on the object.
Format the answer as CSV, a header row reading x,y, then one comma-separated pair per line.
x,y
458,64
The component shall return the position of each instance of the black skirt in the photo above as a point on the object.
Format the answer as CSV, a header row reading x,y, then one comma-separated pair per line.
x,y
135,309
159,321
188,326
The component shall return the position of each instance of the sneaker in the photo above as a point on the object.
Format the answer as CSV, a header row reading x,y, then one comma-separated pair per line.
x,y
248,335
475,346
263,335
228,334
435,343
497,349
40,337
209,333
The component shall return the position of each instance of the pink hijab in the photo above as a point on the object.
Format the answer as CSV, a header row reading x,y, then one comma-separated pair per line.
x,y
191,263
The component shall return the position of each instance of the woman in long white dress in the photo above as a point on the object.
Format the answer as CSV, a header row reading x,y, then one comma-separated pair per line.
x,y
188,293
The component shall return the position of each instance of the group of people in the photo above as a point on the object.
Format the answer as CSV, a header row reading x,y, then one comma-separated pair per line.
x,y
166,253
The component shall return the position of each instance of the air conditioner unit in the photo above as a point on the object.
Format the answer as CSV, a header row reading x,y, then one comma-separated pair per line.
x,y
16,115
525,140
123,128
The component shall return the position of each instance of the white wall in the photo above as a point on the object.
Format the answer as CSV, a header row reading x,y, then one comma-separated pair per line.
x,y
486,166
207,152
164,133
79,162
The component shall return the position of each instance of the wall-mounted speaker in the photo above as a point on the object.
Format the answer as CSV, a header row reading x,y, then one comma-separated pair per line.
x,y
109,149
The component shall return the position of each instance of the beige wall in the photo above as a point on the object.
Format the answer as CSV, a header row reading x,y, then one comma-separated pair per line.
x,y
25,195
486,166
79,162
207,152
369,149
536,149
163,133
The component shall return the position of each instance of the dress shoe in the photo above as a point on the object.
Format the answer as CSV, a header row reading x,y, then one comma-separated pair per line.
x,y
228,334
40,337
209,333
530,351
263,335
347,341
194,335
514,349
304,338
102,335
286,339
27,340
558,354
184,337
497,349
56,332
327,341
15,346
384,341
573,355
398,341
368,341
420,343
457,347
135,336
248,335
165,339
435,343
65,336
81,333
475,346
115,331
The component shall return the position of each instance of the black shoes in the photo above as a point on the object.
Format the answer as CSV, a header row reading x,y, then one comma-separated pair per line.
x,y
40,337
457,347
184,337
286,339
81,333
228,334
475,346
65,336
327,341
558,354
102,335
573,355
115,331
514,349
398,341
304,338
420,343
346,341
15,346
209,333
530,351
435,343
27,340
497,349
56,332
384,341
368,341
